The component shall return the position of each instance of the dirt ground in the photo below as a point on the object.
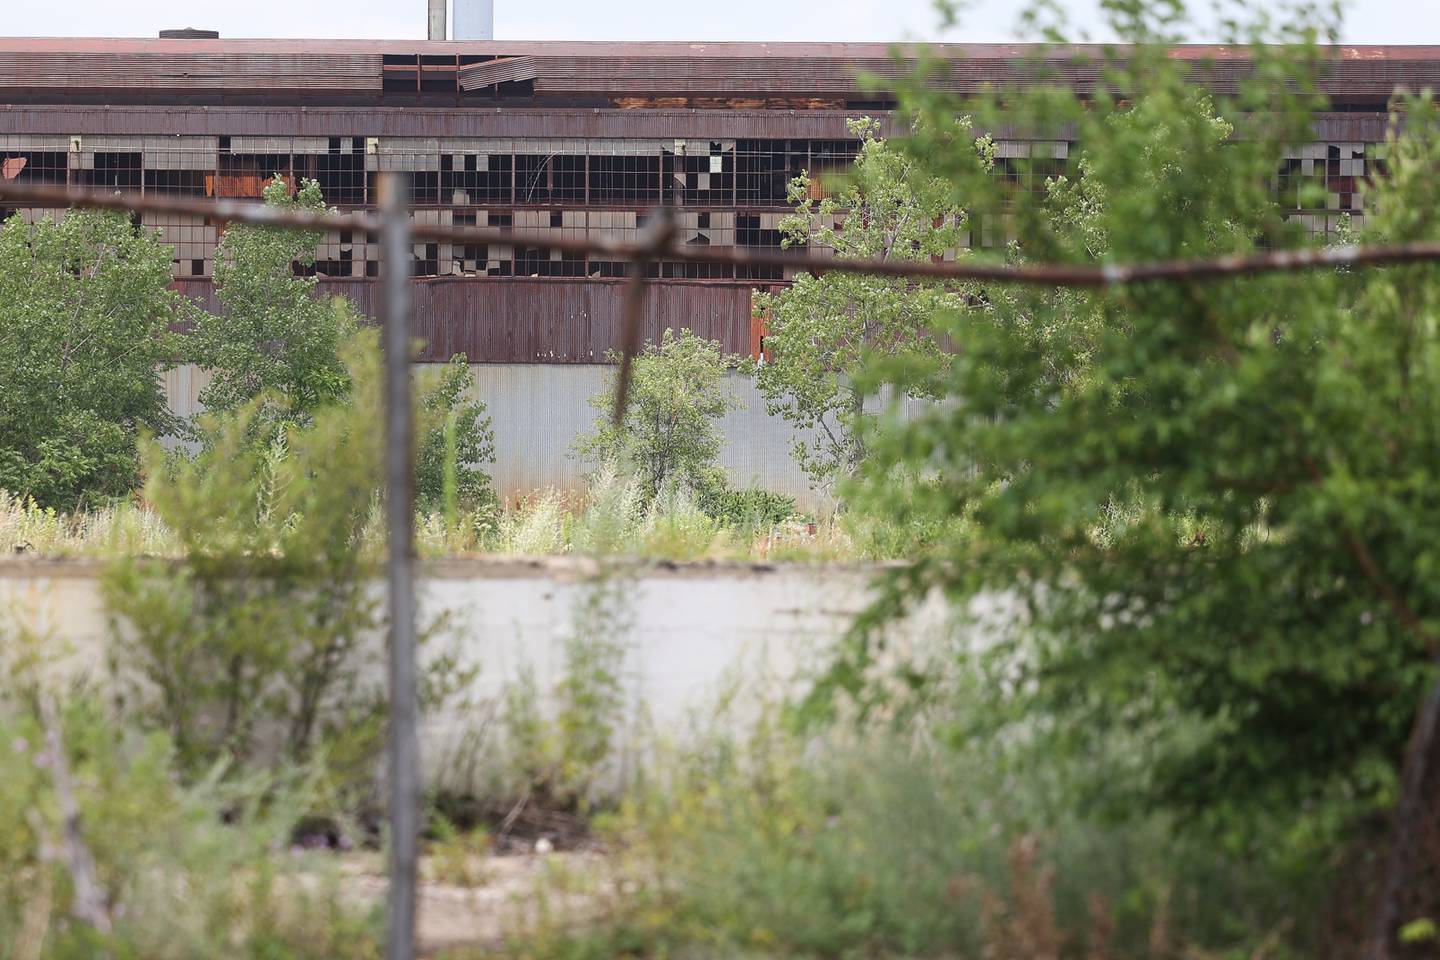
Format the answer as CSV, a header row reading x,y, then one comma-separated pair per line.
x,y
499,896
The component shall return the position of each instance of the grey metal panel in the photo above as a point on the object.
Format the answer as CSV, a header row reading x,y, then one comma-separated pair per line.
x,y
538,412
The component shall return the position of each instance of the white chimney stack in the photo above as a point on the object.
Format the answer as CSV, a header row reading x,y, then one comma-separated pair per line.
x,y
435,23
474,19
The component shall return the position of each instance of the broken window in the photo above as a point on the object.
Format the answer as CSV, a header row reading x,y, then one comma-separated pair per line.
x,y
34,166
246,174
543,262
701,172
477,178
764,169
340,170
542,179
114,171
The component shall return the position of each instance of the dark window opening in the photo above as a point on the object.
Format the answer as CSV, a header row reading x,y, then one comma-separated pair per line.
x,y
183,183
117,171
625,179
341,175
476,179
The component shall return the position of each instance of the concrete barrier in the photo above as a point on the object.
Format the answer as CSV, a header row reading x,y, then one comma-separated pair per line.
x,y
688,630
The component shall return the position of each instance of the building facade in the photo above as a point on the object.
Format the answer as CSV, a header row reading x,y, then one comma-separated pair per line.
x,y
563,138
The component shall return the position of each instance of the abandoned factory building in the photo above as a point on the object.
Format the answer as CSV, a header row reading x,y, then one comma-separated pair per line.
x,y
569,138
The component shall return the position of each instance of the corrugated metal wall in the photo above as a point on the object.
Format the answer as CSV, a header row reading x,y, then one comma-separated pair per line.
x,y
538,411
542,320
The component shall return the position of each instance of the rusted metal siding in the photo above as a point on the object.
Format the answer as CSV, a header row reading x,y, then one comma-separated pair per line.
x,y
113,72
503,70
530,320
382,122
541,320
596,124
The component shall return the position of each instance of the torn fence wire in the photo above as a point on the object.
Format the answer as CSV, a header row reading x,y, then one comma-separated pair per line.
x,y
1034,274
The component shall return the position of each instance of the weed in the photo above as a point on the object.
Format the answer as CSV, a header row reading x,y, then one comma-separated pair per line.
x,y
880,840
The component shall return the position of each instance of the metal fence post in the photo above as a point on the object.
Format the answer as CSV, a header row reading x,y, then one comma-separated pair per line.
x,y
395,242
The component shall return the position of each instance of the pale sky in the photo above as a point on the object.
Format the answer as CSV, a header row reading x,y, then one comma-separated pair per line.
x,y
1368,21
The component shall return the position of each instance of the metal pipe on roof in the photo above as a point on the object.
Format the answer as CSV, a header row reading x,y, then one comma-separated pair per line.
x,y
436,21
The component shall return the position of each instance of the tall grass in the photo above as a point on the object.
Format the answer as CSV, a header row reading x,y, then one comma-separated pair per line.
x,y
123,529
608,518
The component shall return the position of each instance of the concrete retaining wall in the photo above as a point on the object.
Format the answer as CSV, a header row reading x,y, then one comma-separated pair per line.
x,y
688,630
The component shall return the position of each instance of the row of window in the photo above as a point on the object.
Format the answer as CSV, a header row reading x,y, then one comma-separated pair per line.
x,y
707,173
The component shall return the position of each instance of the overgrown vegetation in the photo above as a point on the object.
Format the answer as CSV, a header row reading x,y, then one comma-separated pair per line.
x,y
825,331
86,309
669,436
1208,504
1212,498
273,337
113,857
894,840
450,477
263,644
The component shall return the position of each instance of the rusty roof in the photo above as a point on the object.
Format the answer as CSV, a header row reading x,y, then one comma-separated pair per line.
x,y
295,68
659,48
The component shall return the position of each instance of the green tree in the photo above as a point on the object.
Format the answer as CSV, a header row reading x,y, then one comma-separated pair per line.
x,y
449,466
85,317
279,342
669,434
273,336
824,330
1214,500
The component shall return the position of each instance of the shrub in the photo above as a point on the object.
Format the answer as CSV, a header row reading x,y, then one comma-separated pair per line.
x,y
264,642
669,435
752,508
449,465
180,872
888,841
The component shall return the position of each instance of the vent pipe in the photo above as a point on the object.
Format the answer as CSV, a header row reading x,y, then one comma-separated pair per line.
x,y
436,21
474,19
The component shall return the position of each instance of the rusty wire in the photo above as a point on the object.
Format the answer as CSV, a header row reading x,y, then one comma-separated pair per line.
x,y
658,243
1038,274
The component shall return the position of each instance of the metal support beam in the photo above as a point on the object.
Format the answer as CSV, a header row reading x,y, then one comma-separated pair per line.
x,y
395,242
